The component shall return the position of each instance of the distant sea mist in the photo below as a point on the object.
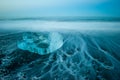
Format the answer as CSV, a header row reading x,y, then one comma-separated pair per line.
x,y
60,23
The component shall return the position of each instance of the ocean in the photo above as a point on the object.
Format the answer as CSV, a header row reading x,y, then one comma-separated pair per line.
x,y
59,49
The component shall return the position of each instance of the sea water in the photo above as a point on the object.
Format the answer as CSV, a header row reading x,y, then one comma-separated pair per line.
x,y
85,50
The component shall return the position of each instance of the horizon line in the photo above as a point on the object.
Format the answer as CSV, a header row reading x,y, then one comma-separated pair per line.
x,y
63,18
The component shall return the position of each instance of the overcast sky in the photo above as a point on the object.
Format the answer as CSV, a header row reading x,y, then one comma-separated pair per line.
x,y
39,8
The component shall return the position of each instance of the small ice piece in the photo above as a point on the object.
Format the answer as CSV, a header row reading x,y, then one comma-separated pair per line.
x,y
41,43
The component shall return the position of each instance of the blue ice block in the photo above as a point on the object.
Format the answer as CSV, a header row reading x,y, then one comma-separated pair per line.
x,y
41,43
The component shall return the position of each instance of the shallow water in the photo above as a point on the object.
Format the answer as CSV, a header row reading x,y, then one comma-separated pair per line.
x,y
90,51
85,55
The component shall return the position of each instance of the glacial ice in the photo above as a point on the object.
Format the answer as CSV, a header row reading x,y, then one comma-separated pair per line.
x,y
41,43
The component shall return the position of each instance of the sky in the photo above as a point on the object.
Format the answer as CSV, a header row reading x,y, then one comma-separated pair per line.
x,y
40,8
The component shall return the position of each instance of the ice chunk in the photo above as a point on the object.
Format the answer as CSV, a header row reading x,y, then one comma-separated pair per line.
x,y
41,43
